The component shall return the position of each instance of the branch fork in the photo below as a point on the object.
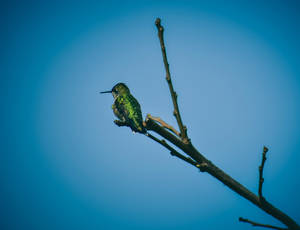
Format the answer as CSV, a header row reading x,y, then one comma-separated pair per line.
x,y
164,124
183,129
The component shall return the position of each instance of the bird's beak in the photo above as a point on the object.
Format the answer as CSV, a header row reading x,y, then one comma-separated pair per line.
x,y
106,91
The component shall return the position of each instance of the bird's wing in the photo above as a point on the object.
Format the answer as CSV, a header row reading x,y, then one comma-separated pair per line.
x,y
136,108
120,109
136,118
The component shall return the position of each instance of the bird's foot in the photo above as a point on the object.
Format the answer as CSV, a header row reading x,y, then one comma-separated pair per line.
x,y
120,123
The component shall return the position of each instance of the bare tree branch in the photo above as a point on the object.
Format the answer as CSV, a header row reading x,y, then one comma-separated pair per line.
x,y
153,126
164,124
255,224
261,169
183,129
198,160
204,164
207,166
173,152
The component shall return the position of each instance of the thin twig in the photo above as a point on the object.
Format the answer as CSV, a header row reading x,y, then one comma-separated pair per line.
x,y
164,124
255,224
173,152
261,170
183,129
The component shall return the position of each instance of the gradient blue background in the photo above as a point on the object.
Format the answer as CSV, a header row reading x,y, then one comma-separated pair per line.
x,y
65,165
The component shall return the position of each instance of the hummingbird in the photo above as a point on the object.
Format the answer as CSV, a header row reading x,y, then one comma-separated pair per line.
x,y
126,108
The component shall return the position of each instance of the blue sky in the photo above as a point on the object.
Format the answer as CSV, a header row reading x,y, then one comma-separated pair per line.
x,y
65,165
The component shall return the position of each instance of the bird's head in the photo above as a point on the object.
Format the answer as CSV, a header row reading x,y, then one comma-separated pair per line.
x,y
118,89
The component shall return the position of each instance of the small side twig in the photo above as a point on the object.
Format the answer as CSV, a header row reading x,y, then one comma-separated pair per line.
x,y
183,129
164,124
255,224
261,169
173,152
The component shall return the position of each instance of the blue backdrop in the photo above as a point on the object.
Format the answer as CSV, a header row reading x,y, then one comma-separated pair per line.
x,y
65,165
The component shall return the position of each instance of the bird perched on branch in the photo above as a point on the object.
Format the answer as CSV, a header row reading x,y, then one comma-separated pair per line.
x,y
126,108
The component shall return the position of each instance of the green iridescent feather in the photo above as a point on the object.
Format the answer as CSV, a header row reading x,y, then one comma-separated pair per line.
x,y
128,110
